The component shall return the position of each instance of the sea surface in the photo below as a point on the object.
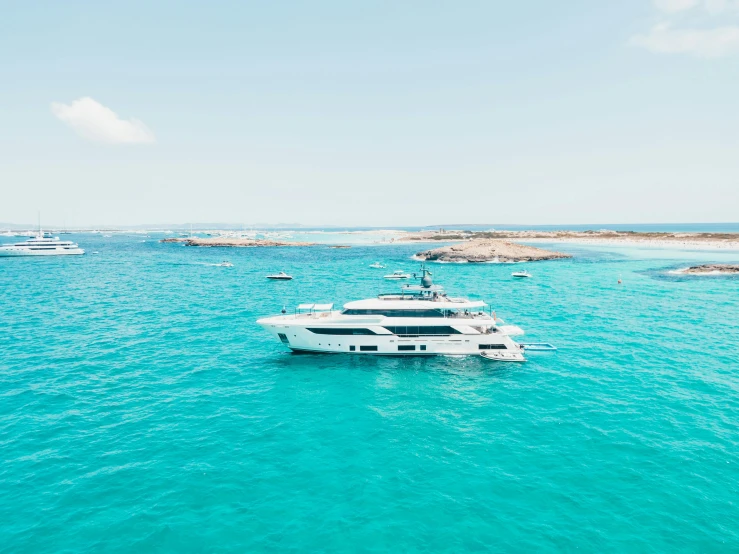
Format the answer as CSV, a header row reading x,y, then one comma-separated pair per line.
x,y
143,410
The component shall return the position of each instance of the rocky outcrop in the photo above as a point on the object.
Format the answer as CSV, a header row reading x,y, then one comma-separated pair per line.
x,y
224,241
712,269
485,250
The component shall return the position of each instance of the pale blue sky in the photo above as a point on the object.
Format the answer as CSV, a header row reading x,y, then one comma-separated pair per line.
x,y
373,113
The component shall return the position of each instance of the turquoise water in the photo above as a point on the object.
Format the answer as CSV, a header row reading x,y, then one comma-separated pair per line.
x,y
142,410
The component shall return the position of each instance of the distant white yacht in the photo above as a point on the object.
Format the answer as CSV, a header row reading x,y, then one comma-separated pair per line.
x,y
281,276
42,244
398,275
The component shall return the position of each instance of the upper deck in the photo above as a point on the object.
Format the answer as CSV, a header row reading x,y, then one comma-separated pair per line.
x,y
398,302
426,301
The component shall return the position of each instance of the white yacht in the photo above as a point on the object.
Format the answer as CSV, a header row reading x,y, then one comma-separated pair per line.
x,y
420,320
521,274
377,265
398,275
42,244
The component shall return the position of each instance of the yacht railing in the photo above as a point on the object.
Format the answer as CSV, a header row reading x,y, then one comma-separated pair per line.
x,y
468,315
313,315
426,298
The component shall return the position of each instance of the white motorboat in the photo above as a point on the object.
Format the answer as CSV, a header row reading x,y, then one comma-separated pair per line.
x,y
377,265
398,275
420,320
281,276
504,355
225,263
521,274
41,245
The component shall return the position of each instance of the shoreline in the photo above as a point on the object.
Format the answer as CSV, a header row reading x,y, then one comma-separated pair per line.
x,y
678,241
643,243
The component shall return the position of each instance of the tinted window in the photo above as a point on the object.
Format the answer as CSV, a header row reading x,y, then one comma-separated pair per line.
x,y
368,348
493,347
340,331
396,313
422,331
402,347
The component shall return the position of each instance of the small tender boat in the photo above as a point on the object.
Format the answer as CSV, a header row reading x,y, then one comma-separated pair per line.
x,y
225,263
503,355
377,265
398,275
281,276
521,274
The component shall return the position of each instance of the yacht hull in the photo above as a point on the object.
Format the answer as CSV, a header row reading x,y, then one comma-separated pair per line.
x,y
299,339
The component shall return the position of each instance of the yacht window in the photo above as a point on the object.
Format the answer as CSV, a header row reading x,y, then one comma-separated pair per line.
x,y
395,313
340,331
352,348
402,347
368,348
283,338
421,331
493,347
423,347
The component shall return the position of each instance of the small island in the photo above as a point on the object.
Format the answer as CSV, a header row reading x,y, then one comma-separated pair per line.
x,y
233,242
486,250
711,269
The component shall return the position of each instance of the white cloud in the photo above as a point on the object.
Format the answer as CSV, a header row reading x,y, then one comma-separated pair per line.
x,y
93,121
706,43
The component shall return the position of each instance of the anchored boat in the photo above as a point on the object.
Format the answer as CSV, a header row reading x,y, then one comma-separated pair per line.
x,y
419,320
398,275
281,276
504,356
41,245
